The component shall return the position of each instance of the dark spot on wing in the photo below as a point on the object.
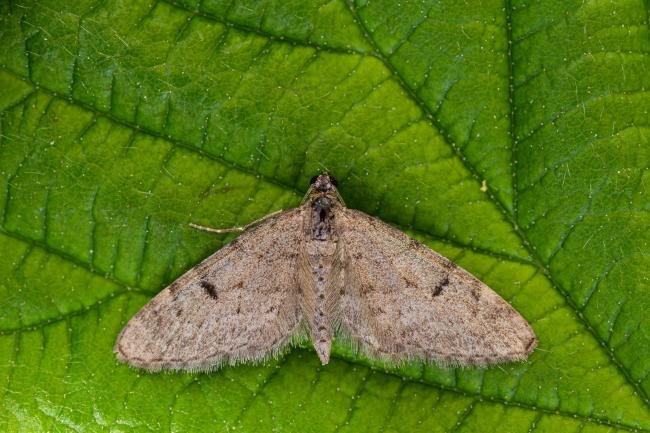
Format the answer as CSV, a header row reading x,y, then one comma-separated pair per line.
x,y
440,286
179,312
209,288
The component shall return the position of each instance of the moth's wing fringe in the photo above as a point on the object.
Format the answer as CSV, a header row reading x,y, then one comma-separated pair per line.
x,y
345,340
297,339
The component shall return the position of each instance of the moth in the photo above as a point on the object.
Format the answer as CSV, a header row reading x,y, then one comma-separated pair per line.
x,y
327,271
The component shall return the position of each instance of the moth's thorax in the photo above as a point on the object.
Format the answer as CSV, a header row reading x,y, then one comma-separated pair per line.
x,y
322,218
322,199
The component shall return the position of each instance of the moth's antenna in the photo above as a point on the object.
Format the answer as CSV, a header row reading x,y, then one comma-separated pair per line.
x,y
338,195
307,194
235,229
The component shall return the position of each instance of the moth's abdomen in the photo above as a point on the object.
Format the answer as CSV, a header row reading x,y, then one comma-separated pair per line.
x,y
320,256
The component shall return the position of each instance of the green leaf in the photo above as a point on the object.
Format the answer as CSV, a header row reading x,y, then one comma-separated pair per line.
x,y
511,137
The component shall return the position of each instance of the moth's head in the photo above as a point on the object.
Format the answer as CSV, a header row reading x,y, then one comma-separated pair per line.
x,y
324,182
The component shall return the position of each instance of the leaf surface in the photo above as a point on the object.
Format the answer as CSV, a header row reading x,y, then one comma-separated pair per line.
x,y
510,137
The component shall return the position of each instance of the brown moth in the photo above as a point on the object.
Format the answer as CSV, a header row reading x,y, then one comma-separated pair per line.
x,y
325,270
